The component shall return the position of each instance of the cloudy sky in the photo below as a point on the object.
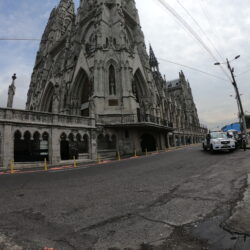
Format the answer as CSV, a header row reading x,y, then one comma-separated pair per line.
x,y
225,23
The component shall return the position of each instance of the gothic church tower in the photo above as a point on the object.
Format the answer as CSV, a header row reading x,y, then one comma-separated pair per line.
x,y
94,63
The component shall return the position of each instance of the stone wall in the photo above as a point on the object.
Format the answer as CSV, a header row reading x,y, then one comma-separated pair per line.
x,y
54,125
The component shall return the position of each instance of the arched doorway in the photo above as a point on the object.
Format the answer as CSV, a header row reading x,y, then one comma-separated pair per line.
x,y
148,143
81,92
106,142
64,146
27,149
47,100
140,91
139,86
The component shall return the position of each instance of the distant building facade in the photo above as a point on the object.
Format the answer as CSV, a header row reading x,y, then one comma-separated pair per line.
x,y
96,91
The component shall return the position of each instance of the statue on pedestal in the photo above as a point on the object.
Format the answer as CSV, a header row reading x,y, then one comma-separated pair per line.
x,y
11,92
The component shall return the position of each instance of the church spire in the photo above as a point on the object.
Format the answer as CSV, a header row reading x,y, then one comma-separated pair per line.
x,y
153,60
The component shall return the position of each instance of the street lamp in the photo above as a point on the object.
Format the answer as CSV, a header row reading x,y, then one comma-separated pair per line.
x,y
219,63
240,106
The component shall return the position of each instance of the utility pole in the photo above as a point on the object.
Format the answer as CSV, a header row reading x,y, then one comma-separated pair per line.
x,y
241,111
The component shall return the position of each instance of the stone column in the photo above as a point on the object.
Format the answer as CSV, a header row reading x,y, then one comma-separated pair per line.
x,y
179,140
168,143
93,145
97,80
54,146
7,146
162,141
184,140
174,140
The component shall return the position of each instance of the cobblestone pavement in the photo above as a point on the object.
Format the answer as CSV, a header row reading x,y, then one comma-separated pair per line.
x,y
176,200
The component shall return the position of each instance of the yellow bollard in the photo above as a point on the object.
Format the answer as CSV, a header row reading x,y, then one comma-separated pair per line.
x,y
74,162
98,159
135,154
11,167
45,164
118,156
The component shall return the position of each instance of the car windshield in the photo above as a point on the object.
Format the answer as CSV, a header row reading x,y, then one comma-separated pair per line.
x,y
216,135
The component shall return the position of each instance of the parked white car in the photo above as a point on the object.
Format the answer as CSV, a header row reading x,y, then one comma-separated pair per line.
x,y
218,141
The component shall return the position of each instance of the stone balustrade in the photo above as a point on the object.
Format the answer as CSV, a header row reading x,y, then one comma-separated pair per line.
x,y
34,117
130,119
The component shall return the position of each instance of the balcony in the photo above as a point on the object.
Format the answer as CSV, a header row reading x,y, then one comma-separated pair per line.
x,y
134,120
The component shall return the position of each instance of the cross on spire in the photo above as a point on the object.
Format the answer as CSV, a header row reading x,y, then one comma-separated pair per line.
x,y
14,78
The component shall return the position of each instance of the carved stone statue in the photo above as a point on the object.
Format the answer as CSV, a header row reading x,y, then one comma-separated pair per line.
x,y
11,92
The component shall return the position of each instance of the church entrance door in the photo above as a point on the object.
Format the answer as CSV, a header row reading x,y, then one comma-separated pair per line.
x,y
64,150
148,143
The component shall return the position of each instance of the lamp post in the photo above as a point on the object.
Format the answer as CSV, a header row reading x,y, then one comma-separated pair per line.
x,y
240,106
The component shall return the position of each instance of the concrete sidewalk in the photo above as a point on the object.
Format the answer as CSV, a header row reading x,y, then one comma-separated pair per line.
x,y
87,163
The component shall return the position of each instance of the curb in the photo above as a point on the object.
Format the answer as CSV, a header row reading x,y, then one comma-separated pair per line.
x,y
89,164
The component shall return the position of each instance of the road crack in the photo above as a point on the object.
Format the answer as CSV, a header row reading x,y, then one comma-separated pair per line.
x,y
155,221
106,222
64,241
165,198
197,198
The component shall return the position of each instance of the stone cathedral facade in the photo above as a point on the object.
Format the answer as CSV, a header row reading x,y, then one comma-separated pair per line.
x,y
95,90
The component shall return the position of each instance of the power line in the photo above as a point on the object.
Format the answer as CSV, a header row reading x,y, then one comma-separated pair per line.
x,y
165,60
30,39
201,29
20,39
194,34
193,68
204,8
205,12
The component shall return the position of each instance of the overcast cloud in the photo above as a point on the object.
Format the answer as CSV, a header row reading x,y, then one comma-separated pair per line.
x,y
226,23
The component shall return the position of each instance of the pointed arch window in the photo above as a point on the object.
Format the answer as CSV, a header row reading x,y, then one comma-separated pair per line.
x,y
112,80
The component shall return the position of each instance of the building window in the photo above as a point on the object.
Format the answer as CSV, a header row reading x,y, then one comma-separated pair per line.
x,y
112,82
107,42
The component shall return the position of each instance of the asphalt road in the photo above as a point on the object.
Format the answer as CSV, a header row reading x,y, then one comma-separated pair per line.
x,y
161,200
